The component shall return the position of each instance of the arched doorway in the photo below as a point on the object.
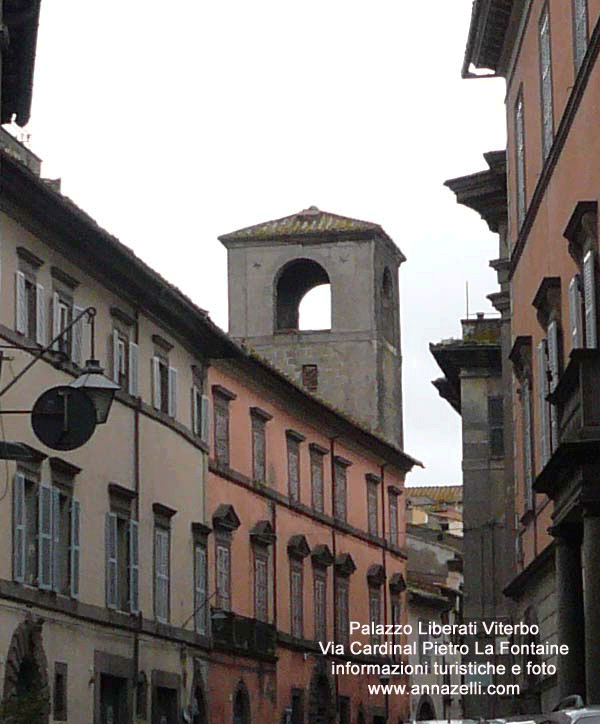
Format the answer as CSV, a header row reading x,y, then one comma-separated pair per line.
x,y
425,709
26,696
293,282
321,707
241,705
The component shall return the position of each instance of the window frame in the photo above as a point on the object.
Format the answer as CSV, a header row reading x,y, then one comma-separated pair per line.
x,y
296,598
520,160
546,80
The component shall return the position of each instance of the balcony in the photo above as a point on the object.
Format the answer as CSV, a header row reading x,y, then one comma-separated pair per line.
x,y
243,636
577,402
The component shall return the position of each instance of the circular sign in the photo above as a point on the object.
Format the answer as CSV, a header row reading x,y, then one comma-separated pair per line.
x,y
63,418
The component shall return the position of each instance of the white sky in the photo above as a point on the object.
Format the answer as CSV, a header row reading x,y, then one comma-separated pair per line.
x,y
172,123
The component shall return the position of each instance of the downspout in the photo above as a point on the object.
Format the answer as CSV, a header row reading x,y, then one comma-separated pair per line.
x,y
334,553
136,483
383,549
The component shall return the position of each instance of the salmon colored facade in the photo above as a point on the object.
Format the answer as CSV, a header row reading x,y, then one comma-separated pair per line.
x,y
547,50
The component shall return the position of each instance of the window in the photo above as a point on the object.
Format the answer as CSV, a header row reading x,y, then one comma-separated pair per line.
x,y
424,656
46,534
546,81
59,697
70,344
261,585
320,583
543,404
340,485
164,386
125,362
223,563
30,308
293,459
259,444
496,426
589,299
162,544
342,586
200,414
372,517
122,556
296,598
310,377
520,158
316,476
221,400
200,588
375,613
393,510
527,441
396,612
576,312
580,32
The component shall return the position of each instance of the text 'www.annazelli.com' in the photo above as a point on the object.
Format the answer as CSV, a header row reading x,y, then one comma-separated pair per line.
x,y
473,688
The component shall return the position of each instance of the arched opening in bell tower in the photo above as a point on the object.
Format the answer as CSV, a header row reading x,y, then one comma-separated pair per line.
x,y
302,297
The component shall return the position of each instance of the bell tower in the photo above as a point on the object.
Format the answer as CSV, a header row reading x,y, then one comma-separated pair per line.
x,y
357,364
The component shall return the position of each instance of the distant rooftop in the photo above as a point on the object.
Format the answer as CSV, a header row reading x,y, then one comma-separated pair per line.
x,y
306,224
436,493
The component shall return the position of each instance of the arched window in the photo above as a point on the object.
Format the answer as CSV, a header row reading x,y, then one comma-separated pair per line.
x,y
295,281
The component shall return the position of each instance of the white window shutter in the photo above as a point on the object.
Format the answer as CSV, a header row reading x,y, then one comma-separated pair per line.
x,y
19,528
75,546
172,392
40,315
115,356
200,588
77,338
20,303
205,419
111,561
133,370
45,533
134,567
543,403
161,563
589,293
56,582
156,383
575,313
55,320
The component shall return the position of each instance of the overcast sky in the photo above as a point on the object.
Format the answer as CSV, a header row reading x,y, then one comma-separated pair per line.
x,y
173,123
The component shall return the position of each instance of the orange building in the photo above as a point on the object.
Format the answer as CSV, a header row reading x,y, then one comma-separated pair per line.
x,y
547,50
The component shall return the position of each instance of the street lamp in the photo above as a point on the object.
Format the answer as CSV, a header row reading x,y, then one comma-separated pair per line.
x,y
98,388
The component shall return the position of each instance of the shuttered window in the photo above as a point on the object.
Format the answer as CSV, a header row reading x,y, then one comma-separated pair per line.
x,y
296,599
375,613
527,443
161,573
19,528
200,596
316,474
77,346
580,31
258,450
340,493
261,587
221,410
112,598
30,308
546,81
45,537
164,386
223,563
544,413
320,583
393,509
341,610
372,488
519,121
134,567
589,300
576,312
293,459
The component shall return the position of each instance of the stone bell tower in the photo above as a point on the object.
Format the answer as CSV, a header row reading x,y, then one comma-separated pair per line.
x,y
357,364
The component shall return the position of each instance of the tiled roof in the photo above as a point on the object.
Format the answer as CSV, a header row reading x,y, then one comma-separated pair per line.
x,y
438,493
308,222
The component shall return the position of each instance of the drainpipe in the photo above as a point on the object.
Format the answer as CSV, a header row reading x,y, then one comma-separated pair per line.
x,y
136,483
383,550
334,552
